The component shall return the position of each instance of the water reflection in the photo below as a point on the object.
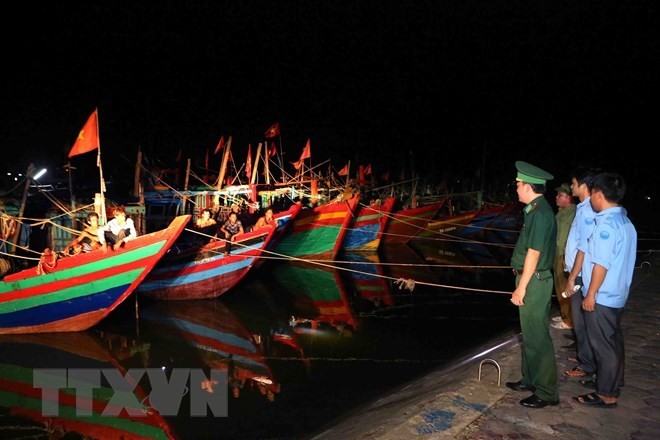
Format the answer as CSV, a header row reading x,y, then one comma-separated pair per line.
x,y
304,344
23,357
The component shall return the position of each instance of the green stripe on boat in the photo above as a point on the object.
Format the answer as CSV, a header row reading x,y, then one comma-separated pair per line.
x,y
74,272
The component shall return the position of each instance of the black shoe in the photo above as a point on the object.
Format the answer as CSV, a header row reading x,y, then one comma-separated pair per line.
x,y
519,386
534,401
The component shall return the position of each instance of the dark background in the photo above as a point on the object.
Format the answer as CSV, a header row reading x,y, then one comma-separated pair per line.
x,y
441,87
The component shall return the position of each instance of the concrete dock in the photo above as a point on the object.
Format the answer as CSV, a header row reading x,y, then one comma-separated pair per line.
x,y
452,403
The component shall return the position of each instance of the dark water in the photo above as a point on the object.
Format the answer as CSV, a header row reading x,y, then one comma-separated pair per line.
x,y
303,345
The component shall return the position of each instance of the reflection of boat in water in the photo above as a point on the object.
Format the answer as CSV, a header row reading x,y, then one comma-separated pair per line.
x,y
318,296
218,337
22,356
367,276
441,252
403,262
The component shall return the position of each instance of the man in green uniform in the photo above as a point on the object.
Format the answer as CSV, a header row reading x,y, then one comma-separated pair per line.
x,y
531,261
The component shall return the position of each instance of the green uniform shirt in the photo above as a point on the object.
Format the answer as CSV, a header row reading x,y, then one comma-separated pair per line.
x,y
564,218
539,232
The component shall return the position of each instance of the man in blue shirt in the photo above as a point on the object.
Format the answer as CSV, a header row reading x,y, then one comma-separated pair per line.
x,y
607,274
582,227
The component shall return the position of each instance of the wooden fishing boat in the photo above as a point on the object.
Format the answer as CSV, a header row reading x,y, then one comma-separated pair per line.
x,y
200,270
24,401
317,233
405,223
449,225
366,229
218,337
482,219
74,293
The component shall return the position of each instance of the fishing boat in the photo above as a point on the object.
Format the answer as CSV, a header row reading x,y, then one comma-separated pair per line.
x,y
317,233
217,337
201,270
449,225
24,400
407,222
366,229
74,293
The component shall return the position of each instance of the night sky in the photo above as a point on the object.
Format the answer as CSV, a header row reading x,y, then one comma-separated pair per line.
x,y
434,86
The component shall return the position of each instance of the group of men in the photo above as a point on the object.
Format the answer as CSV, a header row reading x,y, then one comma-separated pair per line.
x,y
599,255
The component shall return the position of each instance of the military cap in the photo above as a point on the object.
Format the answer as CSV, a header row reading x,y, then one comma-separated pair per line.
x,y
532,174
565,188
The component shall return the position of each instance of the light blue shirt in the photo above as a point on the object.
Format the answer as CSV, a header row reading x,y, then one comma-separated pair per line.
x,y
581,229
614,247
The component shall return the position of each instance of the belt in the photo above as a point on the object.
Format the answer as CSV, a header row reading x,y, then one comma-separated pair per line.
x,y
537,273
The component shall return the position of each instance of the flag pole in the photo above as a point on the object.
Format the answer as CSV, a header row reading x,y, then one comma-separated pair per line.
x,y
103,216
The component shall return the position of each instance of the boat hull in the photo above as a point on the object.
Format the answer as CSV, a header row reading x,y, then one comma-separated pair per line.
x,y
368,226
74,293
317,233
203,271
404,224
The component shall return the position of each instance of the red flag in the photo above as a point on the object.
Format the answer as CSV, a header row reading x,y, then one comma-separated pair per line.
x,y
220,145
248,163
272,151
178,156
367,170
306,154
343,171
307,151
88,138
273,131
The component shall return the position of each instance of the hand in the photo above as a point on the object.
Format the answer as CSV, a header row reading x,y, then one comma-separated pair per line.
x,y
589,303
517,297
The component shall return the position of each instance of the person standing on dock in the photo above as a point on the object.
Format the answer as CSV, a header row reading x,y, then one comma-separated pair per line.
x,y
532,259
607,273
565,215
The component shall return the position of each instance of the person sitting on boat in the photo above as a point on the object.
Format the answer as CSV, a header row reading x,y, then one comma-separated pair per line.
x,y
88,240
266,220
205,223
117,231
231,229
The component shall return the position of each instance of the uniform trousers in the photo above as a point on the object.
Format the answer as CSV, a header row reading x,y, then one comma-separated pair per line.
x,y
584,352
606,339
539,368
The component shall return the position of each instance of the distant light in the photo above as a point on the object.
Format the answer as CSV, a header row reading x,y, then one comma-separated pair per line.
x,y
39,174
647,197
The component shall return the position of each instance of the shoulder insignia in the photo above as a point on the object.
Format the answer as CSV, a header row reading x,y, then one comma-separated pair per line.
x,y
530,208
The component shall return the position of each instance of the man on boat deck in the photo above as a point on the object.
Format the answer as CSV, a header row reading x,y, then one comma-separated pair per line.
x,y
532,260
117,231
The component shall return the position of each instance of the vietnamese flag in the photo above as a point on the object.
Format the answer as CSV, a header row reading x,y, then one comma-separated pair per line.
x,y
273,131
367,170
343,171
88,138
307,151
